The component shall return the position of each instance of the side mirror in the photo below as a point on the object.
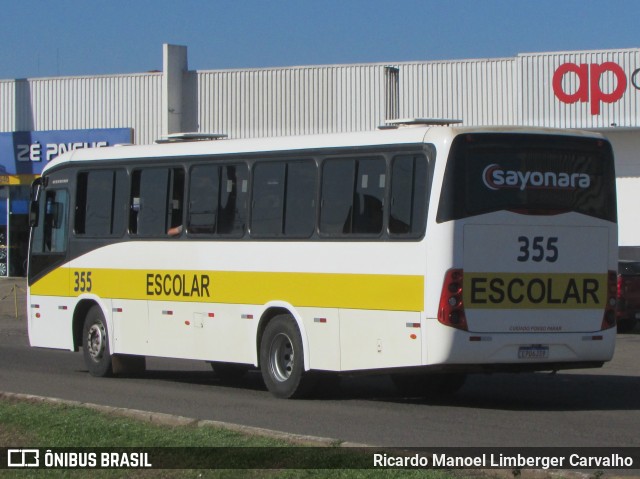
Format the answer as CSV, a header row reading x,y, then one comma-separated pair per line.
x,y
33,214
34,203
35,189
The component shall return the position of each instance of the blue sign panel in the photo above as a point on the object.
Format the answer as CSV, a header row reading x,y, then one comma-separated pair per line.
x,y
27,152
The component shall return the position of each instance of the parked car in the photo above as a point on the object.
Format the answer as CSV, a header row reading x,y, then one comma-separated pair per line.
x,y
628,311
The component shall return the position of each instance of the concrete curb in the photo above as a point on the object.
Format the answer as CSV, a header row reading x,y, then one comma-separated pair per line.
x,y
173,420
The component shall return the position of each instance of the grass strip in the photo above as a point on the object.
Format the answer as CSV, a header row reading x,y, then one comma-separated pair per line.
x,y
40,424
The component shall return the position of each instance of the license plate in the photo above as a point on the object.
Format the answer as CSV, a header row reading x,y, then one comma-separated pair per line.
x,y
535,351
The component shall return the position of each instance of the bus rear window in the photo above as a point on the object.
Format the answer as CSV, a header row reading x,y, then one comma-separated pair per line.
x,y
528,174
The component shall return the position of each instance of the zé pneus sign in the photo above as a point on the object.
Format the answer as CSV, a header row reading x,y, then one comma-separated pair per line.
x,y
27,152
39,152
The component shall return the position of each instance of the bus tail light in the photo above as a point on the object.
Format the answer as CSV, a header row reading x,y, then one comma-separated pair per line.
x,y
451,309
609,318
622,301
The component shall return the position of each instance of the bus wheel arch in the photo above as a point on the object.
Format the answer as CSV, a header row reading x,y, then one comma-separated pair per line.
x,y
281,354
276,309
79,317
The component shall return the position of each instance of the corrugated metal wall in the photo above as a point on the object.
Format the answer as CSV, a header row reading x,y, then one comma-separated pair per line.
x,y
118,101
7,105
291,101
354,97
478,92
334,98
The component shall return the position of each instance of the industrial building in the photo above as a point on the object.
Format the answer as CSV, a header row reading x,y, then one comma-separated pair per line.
x,y
43,117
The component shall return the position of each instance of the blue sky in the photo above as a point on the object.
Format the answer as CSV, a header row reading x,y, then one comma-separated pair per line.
x,y
90,37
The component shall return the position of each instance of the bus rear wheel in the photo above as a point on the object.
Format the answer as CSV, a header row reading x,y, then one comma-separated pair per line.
x,y
282,359
95,344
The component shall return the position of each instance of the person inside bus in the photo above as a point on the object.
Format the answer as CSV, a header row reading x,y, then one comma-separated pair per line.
x,y
175,231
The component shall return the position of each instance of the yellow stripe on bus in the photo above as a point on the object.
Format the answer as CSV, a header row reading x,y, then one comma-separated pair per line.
x,y
534,291
330,290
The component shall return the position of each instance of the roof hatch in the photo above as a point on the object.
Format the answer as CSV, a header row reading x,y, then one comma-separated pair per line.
x,y
190,136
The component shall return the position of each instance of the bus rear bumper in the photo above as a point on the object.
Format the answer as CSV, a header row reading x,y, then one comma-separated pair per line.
x,y
518,351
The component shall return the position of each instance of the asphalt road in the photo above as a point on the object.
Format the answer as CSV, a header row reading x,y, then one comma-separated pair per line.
x,y
580,408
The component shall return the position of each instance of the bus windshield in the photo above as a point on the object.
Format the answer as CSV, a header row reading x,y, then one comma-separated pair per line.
x,y
528,174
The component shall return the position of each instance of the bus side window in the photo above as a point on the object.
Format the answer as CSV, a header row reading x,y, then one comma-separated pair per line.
x,y
234,191
284,196
50,235
100,197
217,199
204,194
368,197
409,201
267,207
336,209
156,201
352,196
300,202
176,202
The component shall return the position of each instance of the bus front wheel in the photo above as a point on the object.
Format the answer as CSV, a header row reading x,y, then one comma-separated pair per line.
x,y
282,359
95,344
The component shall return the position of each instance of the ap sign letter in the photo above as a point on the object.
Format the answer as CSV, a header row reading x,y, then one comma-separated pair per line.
x,y
589,77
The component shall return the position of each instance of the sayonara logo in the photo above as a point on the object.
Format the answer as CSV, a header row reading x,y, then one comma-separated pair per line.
x,y
496,178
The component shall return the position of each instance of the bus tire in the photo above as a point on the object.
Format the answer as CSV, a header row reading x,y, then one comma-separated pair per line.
x,y
429,385
95,344
282,359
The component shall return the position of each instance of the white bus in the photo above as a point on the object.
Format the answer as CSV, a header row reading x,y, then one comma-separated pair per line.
x,y
426,252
